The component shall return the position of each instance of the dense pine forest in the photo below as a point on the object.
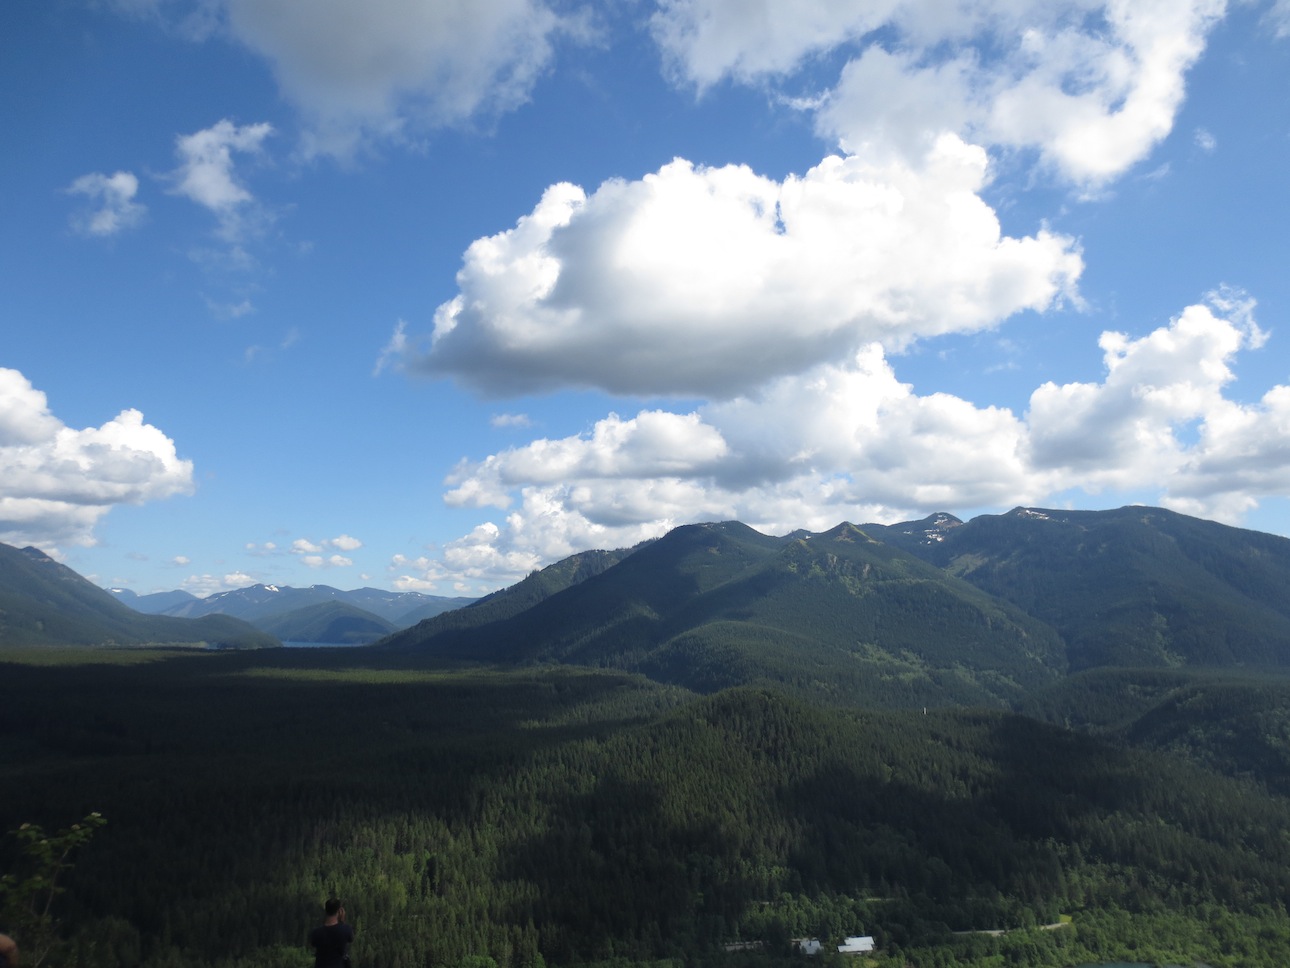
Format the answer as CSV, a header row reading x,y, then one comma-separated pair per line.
x,y
556,815
1042,738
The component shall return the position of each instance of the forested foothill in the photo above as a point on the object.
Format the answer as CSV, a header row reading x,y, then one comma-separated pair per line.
x,y
718,738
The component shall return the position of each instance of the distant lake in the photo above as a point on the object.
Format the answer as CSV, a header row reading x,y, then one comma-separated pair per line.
x,y
321,645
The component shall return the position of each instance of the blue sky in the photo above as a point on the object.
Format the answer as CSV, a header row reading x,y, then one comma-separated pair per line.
x,y
427,295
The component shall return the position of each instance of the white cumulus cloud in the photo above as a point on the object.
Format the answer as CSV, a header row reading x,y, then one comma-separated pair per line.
x,y
392,68
312,553
711,281
56,482
1091,86
849,441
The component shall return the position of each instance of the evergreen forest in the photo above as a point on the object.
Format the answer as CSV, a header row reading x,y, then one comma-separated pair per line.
x,y
1038,739
558,815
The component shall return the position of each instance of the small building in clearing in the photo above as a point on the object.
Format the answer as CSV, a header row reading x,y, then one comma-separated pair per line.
x,y
856,945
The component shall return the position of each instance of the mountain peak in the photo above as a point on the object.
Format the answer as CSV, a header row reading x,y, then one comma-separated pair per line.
x,y
1031,513
846,531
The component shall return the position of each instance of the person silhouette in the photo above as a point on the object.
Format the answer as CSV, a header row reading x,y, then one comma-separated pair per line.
x,y
331,939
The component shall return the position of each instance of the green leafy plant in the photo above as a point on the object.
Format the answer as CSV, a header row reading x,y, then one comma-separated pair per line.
x,y
27,894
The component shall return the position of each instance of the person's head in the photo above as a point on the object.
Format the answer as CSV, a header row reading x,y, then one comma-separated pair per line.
x,y
332,907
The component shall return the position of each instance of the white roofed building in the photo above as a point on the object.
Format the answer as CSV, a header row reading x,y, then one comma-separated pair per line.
x,y
856,945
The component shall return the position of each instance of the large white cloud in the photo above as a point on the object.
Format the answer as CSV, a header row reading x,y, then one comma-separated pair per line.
x,y
850,441
57,482
384,68
1160,419
711,281
1091,86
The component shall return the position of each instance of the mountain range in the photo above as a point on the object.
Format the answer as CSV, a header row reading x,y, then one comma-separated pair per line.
x,y
319,613
716,737
928,612
44,603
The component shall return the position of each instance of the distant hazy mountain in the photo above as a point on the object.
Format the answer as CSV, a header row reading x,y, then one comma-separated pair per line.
x,y
331,622
156,603
259,604
44,603
936,610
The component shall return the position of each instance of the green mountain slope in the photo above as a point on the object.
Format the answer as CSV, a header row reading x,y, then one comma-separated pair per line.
x,y
837,614
507,602
429,610
44,603
334,622
1135,586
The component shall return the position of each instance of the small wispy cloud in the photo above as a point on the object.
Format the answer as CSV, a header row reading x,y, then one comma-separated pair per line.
x,y
115,209
510,420
229,310
394,350
205,585
205,173
312,554
335,561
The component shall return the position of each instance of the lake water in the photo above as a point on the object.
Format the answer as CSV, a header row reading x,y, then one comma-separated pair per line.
x,y
320,645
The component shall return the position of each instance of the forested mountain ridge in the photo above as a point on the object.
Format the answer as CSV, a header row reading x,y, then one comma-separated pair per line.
x,y
508,602
1235,722
732,771
1008,602
714,605
45,603
1135,586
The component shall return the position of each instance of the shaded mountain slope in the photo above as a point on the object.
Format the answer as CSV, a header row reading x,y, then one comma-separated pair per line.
x,y
1135,586
436,606
508,602
44,603
709,606
1233,722
333,622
